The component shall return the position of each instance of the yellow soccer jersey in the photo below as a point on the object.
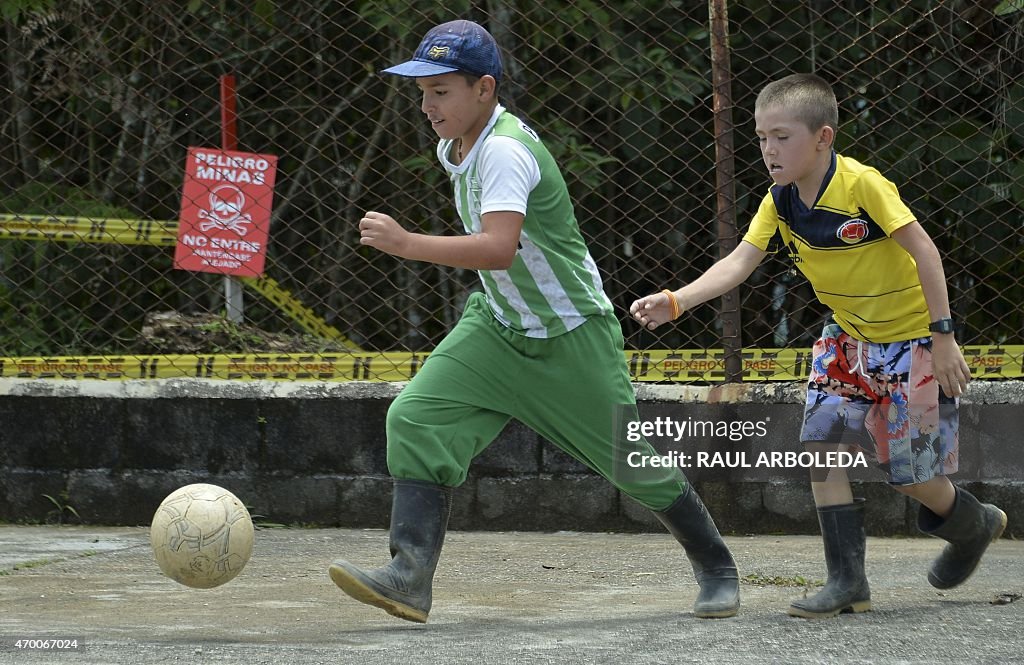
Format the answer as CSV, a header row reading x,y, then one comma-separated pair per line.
x,y
844,247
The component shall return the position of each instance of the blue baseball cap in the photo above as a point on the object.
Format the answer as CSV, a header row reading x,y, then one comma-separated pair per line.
x,y
456,46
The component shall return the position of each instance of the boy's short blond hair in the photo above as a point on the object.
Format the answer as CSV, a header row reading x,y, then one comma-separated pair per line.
x,y
809,98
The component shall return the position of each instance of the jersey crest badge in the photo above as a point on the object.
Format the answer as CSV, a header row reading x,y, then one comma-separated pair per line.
x,y
853,231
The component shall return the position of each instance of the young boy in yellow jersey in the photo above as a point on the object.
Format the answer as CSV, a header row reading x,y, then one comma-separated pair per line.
x,y
887,371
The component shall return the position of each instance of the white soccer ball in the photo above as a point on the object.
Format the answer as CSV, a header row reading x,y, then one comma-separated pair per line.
x,y
201,535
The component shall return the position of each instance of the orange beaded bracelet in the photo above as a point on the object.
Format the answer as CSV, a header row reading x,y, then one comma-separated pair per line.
x,y
673,304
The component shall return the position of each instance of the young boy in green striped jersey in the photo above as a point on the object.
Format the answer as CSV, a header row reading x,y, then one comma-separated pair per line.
x,y
541,343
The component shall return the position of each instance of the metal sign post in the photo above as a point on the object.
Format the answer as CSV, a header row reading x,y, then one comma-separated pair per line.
x,y
226,201
233,300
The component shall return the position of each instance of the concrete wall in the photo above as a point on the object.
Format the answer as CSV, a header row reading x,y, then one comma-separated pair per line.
x,y
314,454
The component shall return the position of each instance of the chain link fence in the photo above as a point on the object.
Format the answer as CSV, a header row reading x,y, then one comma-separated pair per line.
x,y
106,97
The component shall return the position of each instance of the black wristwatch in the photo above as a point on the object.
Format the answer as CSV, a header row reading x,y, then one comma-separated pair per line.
x,y
942,326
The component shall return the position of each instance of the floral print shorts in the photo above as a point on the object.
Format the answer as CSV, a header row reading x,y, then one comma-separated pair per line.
x,y
883,400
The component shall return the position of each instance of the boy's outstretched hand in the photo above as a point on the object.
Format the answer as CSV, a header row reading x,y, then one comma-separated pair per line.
x,y
653,310
382,232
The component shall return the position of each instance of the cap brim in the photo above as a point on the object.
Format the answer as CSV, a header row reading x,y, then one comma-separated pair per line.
x,y
418,69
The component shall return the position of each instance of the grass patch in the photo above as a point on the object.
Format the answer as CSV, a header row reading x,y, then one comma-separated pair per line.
x,y
39,563
35,563
797,581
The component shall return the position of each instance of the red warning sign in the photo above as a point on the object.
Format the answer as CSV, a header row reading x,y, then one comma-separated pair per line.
x,y
225,212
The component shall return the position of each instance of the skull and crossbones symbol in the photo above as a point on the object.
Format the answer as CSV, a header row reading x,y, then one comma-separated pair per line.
x,y
226,202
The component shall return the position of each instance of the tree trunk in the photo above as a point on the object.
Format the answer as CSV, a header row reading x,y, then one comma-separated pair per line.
x,y
21,107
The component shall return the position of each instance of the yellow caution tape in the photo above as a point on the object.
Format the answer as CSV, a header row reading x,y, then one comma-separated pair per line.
x,y
304,316
88,230
994,362
244,367
152,232
709,365
987,362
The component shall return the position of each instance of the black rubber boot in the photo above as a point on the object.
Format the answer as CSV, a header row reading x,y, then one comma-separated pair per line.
x,y
969,529
846,590
689,522
419,520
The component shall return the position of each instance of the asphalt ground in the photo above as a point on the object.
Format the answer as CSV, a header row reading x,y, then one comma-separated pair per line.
x,y
498,598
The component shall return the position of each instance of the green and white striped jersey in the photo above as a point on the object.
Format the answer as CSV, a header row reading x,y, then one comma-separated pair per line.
x,y
553,284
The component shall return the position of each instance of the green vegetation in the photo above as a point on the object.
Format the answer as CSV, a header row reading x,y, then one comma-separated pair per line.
x,y
105,97
757,579
62,509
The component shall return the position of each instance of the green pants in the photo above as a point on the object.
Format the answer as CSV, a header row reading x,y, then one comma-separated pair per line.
x,y
572,389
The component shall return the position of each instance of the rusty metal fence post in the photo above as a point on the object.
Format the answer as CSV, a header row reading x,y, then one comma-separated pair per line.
x,y
725,181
